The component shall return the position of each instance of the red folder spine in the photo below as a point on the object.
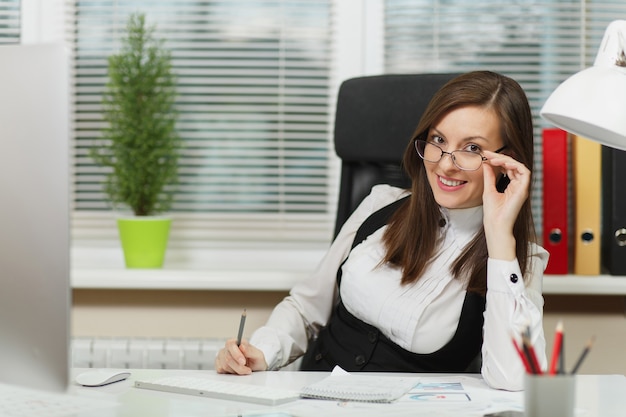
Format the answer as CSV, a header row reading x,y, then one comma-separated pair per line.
x,y
555,198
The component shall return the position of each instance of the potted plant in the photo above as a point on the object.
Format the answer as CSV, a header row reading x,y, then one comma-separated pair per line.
x,y
140,146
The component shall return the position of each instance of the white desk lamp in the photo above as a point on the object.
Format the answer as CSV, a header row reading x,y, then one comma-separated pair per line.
x,y
592,102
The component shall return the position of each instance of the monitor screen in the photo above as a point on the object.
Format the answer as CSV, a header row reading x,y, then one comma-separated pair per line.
x,y
34,216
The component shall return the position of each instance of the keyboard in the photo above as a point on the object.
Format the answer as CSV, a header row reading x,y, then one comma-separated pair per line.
x,y
24,402
220,389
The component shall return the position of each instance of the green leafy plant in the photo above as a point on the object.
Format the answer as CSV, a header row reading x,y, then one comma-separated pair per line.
x,y
139,143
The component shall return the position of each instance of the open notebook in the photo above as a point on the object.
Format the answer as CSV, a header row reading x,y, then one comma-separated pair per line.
x,y
344,386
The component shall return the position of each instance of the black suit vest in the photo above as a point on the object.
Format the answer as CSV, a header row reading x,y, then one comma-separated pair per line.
x,y
357,346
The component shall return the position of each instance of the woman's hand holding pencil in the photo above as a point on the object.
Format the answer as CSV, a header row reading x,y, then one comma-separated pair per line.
x,y
238,356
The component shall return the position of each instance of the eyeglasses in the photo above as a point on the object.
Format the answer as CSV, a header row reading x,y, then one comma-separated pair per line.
x,y
463,160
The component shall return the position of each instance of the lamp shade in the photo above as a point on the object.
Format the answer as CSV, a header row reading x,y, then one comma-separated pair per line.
x,y
592,102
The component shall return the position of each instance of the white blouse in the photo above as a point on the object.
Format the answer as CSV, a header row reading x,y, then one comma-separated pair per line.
x,y
404,313
420,317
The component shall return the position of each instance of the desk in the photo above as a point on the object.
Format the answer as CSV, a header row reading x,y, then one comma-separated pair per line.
x,y
597,396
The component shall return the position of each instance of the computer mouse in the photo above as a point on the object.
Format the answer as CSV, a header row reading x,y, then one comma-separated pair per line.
x,y
100,377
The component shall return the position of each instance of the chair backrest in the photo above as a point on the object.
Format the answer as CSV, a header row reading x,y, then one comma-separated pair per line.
x,y
375,119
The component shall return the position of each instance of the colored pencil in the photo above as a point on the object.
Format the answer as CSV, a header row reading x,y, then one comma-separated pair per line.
x,y
584,353
529,350
521,355
556,348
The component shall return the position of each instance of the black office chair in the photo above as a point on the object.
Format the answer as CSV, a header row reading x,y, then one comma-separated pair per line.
x,y
375,118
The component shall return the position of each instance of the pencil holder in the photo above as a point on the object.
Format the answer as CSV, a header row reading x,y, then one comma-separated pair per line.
x,y
549,395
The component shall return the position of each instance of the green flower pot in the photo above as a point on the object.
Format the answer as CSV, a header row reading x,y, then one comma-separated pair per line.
x,y
144,240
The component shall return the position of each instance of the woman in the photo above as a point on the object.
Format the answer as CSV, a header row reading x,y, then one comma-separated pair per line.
x,y
426,280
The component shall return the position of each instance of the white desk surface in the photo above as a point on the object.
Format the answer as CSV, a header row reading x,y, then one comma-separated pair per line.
x,y
597,396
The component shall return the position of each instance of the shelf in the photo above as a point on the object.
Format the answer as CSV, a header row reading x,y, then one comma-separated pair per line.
x,y
270,269
584,285
275,280
253,269
179,279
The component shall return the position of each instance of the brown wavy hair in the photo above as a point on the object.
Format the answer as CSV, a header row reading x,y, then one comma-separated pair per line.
x,y
411,237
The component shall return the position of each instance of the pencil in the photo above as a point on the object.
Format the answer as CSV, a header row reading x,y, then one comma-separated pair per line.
x,y
561,369
242,322
584,353
556,348
529,350
521,355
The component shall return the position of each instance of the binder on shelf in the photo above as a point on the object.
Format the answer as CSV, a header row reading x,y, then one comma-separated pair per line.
x,y
613,211
587,172
555,200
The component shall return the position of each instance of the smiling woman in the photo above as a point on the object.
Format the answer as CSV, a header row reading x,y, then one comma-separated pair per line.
x,y
429,278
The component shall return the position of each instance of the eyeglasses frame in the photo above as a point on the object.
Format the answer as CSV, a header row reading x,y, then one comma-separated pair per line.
x,y
483,159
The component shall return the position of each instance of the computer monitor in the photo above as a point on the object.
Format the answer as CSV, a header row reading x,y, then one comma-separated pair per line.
x,y
34,217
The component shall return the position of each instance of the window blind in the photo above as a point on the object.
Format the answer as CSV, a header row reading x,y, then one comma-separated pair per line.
x,y
9,21
538,43
254,97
